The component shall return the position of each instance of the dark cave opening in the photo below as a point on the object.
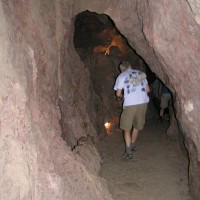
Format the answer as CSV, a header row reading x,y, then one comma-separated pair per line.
x,y
102,47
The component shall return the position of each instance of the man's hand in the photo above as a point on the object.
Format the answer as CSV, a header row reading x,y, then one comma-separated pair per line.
x,y
147,88
119,93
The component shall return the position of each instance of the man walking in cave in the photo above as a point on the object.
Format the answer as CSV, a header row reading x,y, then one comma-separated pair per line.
x,y
164,102
131,85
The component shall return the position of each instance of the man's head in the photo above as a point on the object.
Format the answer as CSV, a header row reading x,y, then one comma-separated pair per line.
x,y
124,65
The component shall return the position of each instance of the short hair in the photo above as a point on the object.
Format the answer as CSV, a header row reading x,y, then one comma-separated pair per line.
x,y
124,65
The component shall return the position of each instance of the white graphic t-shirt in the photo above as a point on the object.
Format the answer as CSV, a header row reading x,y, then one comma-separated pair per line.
x,y
134,83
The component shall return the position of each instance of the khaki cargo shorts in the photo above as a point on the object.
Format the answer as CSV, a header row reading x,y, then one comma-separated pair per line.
x,y
133,116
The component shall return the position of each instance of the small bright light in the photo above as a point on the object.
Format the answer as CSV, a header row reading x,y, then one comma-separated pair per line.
x,y
107,52
108,127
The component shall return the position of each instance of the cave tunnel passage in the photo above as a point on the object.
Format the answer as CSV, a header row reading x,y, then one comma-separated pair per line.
x,y
158,169
102,47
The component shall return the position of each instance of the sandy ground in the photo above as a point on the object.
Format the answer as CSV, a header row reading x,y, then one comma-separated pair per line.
x,y
157,171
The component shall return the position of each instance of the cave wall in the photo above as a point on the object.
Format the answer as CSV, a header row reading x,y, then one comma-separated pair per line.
x,y
76,97
37,76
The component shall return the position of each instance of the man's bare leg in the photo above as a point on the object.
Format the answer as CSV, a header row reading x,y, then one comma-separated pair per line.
x,y
162,112
161,115
127,138
134,135
134,138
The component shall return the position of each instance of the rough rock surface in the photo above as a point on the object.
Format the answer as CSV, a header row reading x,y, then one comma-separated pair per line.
x,y
36,162
88,154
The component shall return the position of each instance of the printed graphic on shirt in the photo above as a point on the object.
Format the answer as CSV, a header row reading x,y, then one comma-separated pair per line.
x,y
133,80
133,83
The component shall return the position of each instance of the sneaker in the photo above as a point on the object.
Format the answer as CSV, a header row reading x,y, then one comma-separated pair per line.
x,y
133,148
128,156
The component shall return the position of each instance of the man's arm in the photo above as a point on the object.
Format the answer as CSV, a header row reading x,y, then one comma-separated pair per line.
x,y
119,93
147,88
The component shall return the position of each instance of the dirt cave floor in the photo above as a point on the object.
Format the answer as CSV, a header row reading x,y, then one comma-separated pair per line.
x,y
157,171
